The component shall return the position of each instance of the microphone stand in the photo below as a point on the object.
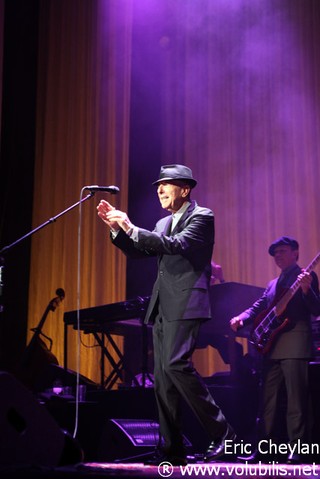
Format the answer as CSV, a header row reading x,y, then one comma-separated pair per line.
x,y
49,221
1,282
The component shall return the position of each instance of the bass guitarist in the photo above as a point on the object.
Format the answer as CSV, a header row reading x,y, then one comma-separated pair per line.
x,y
288,354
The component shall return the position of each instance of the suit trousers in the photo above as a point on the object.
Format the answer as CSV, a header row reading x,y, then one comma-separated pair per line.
x,y
294,373
176,378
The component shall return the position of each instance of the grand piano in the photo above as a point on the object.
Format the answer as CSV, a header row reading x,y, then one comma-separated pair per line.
x,y
125,319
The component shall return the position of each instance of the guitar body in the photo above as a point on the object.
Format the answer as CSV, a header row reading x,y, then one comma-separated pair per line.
x,y
267,327
37,356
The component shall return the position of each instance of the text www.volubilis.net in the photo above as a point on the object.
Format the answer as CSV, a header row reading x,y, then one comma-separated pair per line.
x,y
255,470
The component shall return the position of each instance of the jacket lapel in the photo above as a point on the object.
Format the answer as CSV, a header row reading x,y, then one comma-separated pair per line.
x,y
167,229
184,217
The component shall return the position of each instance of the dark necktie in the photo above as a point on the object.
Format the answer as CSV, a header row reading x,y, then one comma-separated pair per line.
x,y
281,283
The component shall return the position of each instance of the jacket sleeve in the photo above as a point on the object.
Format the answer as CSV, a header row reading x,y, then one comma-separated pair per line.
x,y
129,247
312,298
262,304
193,234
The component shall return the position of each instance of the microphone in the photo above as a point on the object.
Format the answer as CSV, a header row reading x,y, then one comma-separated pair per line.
x,y
110,189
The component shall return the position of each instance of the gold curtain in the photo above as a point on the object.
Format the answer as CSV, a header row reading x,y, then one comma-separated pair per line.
x,y
82,139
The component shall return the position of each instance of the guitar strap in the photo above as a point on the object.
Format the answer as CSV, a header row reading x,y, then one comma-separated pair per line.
x,y
286,280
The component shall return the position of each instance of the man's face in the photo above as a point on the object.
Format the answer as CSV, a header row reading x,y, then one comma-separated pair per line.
x,y
285,256
172,195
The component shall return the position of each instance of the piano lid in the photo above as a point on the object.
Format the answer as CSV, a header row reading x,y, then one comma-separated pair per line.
x,y
228,300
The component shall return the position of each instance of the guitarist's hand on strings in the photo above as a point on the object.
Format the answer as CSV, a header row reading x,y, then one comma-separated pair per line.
x,y
305,281
235,323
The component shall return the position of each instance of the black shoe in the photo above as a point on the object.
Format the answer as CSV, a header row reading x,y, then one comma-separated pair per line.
x,y
177,460
293,458
217,448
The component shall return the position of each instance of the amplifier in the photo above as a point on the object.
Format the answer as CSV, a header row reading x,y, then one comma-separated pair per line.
x,y
127,439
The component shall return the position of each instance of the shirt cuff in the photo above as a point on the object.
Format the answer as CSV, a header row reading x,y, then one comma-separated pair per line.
x,y
114,233
133,233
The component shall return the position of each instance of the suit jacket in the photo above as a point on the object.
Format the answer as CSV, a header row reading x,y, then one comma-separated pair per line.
x,y
294,341
184,263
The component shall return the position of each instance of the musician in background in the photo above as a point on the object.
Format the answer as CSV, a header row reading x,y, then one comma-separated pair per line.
x,y
287,360
216,274
183,243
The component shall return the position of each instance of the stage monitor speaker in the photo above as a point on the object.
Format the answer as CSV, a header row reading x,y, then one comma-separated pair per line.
x,y
29,433
125,439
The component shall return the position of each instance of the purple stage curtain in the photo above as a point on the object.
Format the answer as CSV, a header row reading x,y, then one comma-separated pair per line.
x,y
240,97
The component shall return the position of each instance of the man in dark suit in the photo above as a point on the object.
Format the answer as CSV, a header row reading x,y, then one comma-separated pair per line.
x,y
287,358
183,243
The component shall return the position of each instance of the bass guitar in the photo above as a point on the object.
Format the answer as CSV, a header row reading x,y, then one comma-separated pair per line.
x,y
270,323
37,355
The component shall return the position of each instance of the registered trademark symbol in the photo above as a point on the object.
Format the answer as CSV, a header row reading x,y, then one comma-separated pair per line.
x,y
165,469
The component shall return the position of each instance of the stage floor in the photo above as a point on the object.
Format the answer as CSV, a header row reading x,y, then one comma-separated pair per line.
x,y
218,470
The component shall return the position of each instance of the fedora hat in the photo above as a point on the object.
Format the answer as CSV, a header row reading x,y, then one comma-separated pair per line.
x,y
283,240
176,172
